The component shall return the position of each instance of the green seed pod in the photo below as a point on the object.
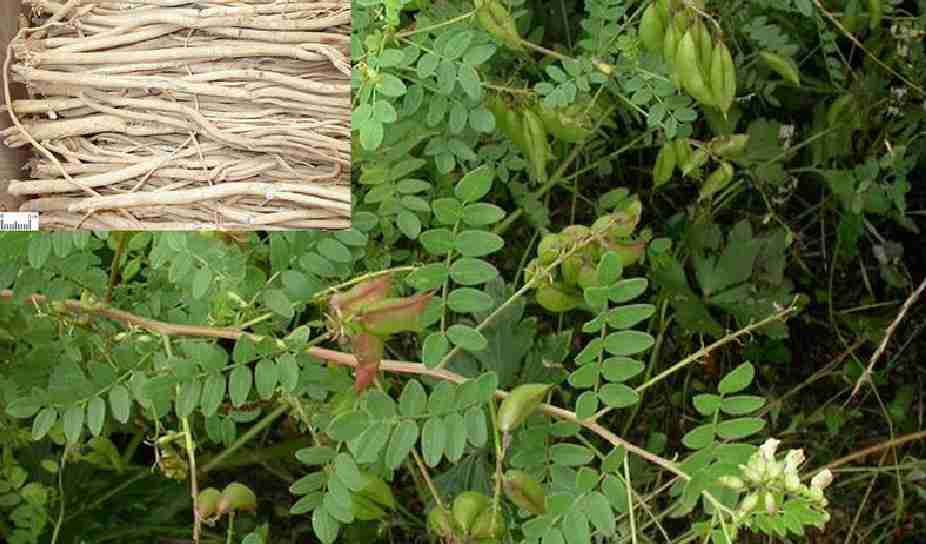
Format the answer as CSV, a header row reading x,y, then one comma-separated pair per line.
x,y
690,70
875,14
207,503
716,181
730,146
697,160
683,151
549,248
508,121
565,124
519,404
557,300
783,66
237,496
749,503
440,522
489,525
670,51
525,492
538,148
392,315
653,29
495,19
723,77
665,9
467,507
665,164
703,43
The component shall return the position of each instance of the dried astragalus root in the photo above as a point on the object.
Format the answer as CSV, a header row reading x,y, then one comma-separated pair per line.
x,y
184,115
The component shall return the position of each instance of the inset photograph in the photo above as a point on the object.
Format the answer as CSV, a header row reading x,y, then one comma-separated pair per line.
x,y
172,115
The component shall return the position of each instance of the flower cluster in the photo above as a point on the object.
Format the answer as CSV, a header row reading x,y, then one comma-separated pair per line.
x,y
770,482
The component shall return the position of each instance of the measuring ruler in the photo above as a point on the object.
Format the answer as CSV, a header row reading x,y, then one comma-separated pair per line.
x,y
19,221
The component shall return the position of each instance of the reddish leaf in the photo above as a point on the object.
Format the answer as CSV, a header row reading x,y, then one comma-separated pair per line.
x,y
394,315
360,295
369,352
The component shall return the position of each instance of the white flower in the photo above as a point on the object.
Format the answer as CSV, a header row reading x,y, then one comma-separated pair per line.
x,y
793,459
767,450
751,472
749,503
770,505
821,480
732,482
792,482
775,470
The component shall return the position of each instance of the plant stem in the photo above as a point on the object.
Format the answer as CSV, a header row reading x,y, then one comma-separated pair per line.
x,y
347,359
121,240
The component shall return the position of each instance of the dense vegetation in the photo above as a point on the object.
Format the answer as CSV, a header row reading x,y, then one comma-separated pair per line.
x,y
619,271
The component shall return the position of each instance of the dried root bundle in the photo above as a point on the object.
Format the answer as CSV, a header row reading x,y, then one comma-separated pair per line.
x,y
184,115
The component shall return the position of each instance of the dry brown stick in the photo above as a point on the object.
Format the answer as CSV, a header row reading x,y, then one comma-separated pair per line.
x,y
109,178
74,83
64,128
346,359
15,119
893,443
866,376
307,52
328,200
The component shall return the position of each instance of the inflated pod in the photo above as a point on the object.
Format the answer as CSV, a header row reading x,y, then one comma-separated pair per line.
x,y
494,18
440,523
524,491
697,160
207,503
703,43
783,66
237,496
519,404
875,14
557,300
690,72
719,179
683,151
538,148
490,525
670,50
722,79
653,28
467,507
665,164
729,146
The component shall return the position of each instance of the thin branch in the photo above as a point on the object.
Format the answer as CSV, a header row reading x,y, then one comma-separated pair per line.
x,y
346,359
866,376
